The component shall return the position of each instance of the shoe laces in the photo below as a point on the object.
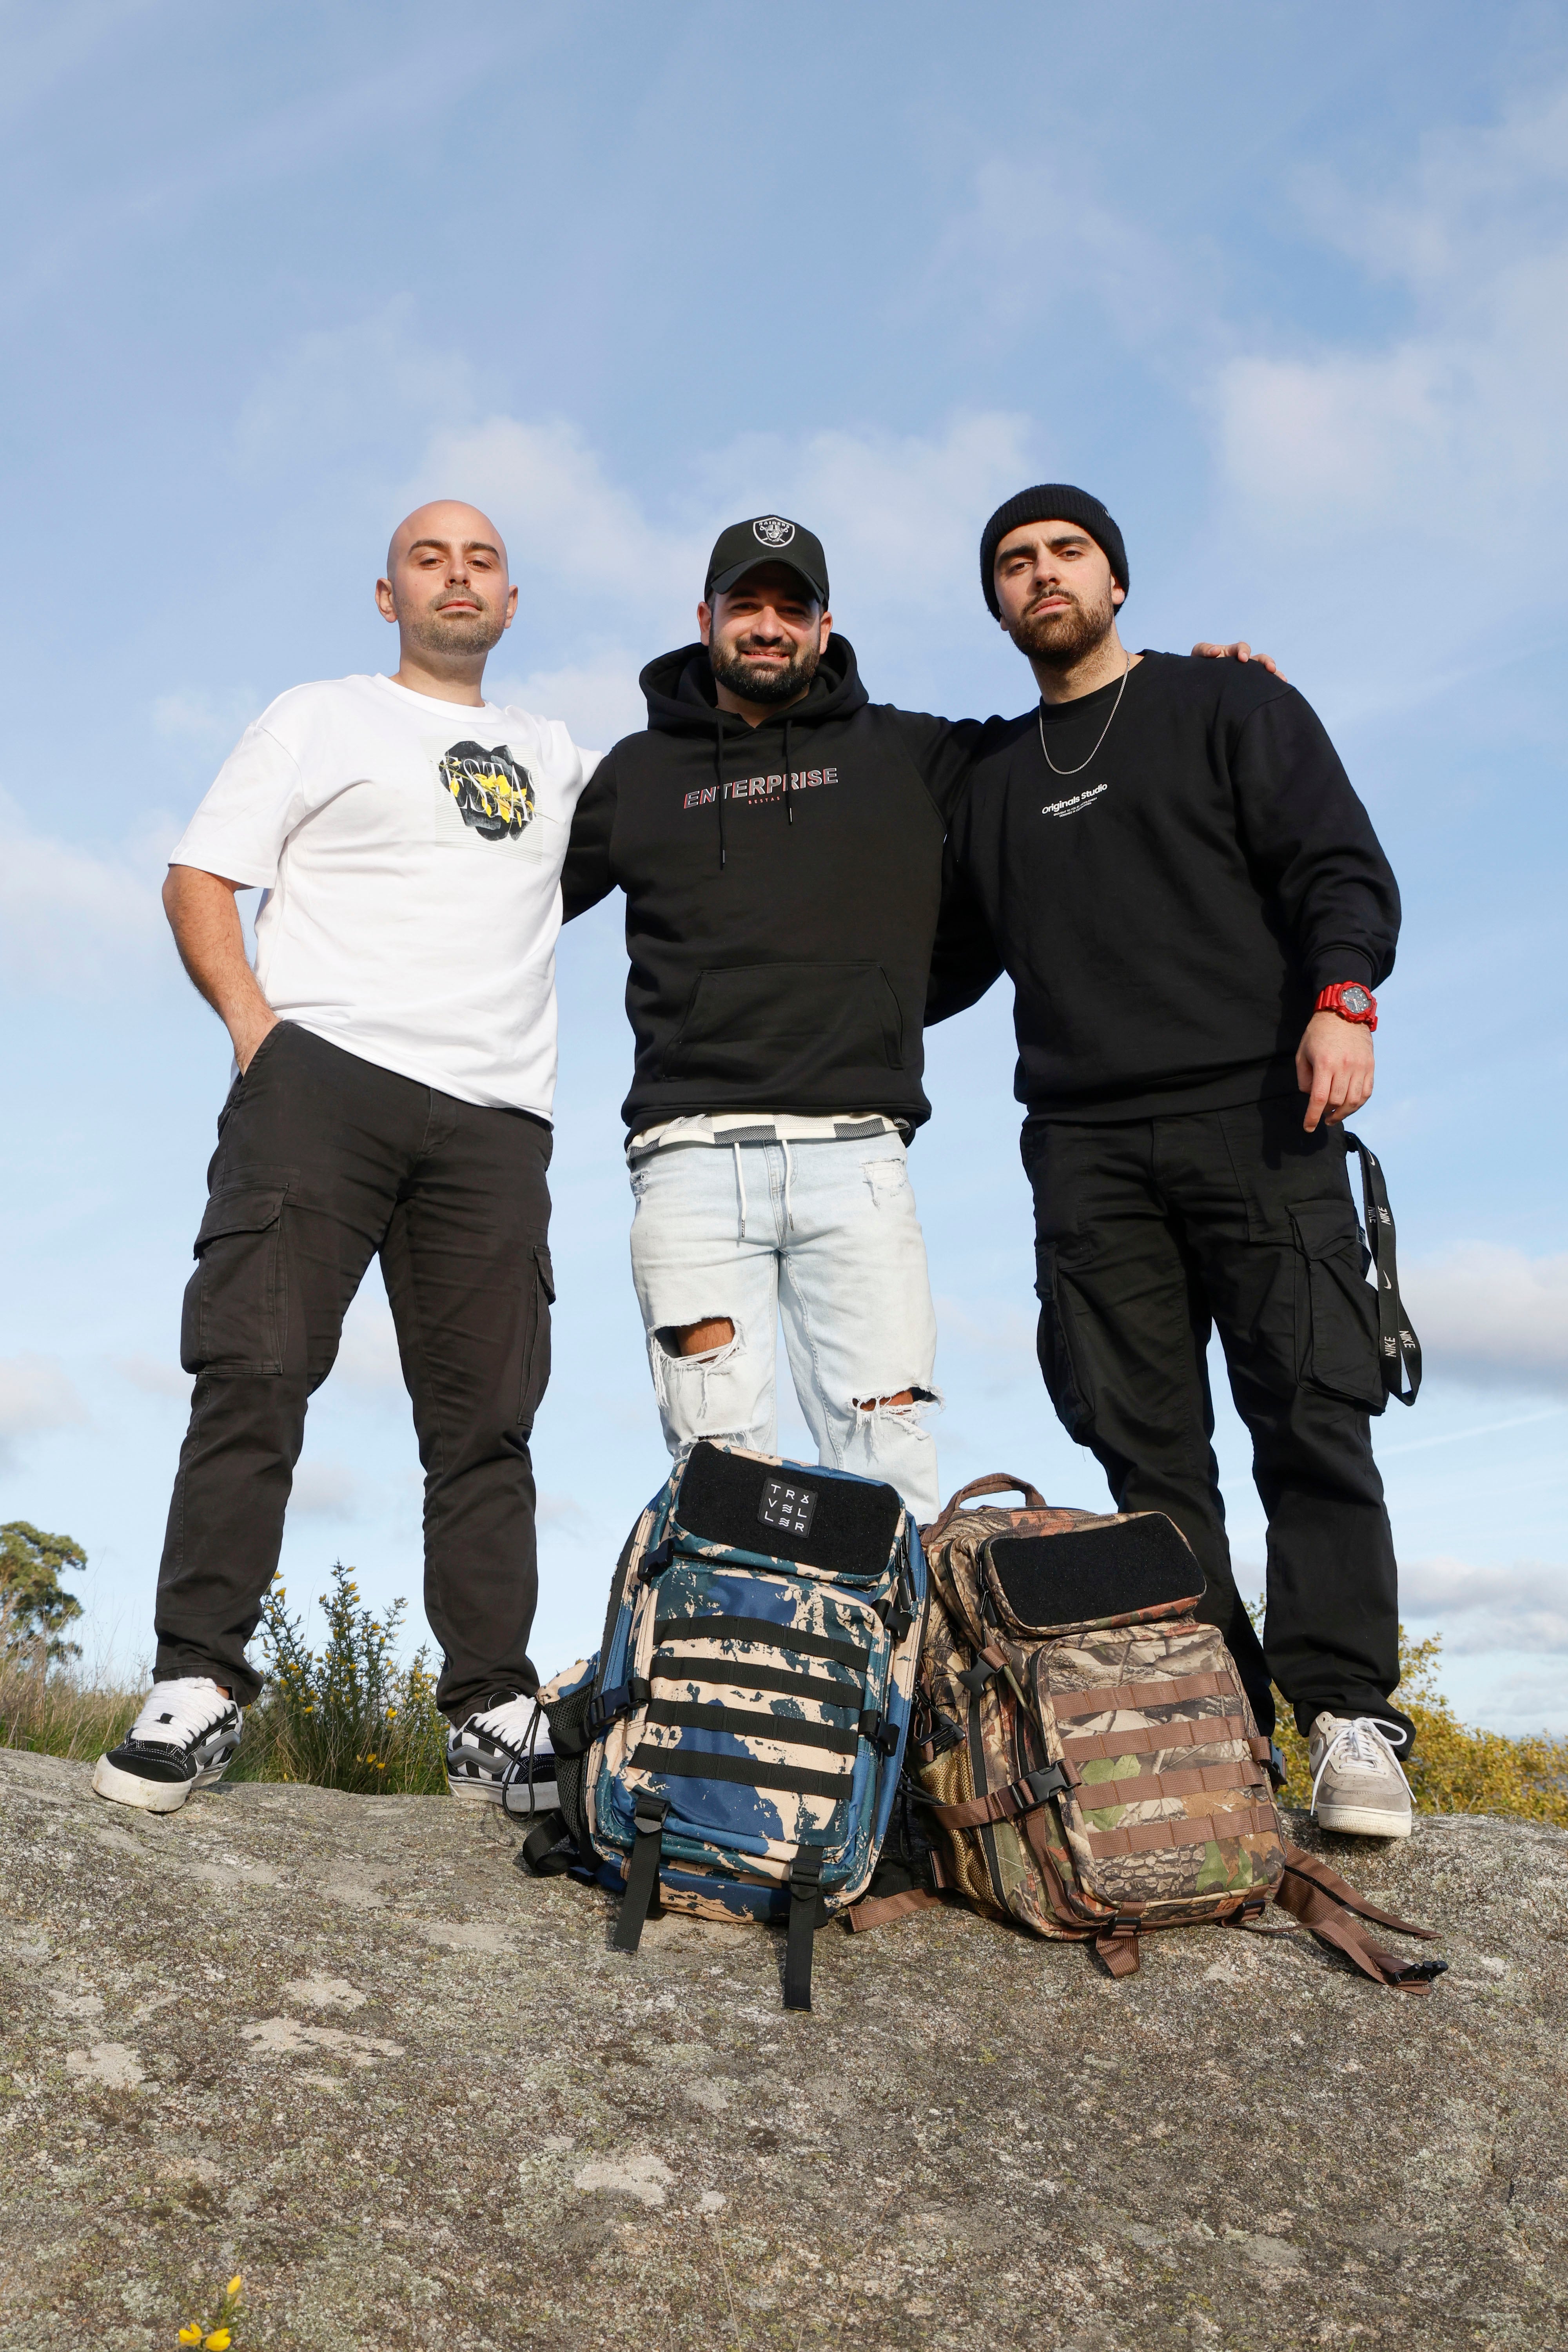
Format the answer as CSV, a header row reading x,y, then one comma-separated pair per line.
x,y
178,1713
514,1726
1364,1739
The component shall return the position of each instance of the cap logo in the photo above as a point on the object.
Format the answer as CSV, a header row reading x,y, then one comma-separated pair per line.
x,y
773,530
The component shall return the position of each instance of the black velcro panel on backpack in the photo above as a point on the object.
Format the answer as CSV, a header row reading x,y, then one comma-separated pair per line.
x,y
1088,1572
849,1532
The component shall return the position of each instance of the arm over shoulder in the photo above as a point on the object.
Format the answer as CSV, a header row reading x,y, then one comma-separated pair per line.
x,y
588,874
944,751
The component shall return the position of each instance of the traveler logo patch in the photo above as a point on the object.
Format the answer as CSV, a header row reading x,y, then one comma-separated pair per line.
x,y
1079,800
495,795
773,530
790,1508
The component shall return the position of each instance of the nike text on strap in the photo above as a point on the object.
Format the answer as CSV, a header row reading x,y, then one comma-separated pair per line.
x,y
642,1877
805,1885
1398,1348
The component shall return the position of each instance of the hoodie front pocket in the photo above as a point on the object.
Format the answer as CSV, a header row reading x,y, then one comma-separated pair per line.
x,y
743,1018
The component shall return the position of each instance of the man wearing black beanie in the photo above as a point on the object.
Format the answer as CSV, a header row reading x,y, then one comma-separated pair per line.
x,y
1168,858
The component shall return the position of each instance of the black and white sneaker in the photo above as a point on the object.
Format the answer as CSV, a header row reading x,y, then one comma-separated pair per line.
x,y
187,1730
506,1746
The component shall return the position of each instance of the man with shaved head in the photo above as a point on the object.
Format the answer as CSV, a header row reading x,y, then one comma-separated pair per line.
x,y
394,1065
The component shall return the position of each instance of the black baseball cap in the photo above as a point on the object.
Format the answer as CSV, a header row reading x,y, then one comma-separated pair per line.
x,y
765,539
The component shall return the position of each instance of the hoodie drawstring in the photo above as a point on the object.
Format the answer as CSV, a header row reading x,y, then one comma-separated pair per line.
x,y
719,780
789,1211
789,810
741,1188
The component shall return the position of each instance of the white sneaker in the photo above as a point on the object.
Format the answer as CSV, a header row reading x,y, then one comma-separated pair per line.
x,y
505,1744
187,1730
1358,1785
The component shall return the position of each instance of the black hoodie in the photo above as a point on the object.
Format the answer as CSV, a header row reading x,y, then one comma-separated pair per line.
x,y
782,884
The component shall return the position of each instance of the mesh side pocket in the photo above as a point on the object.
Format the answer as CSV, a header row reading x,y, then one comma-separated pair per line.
x,y
568,1719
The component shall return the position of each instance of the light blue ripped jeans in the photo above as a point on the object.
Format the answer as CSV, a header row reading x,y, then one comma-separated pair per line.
x,y
823,1234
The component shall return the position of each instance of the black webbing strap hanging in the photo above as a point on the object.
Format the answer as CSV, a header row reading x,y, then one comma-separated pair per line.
x,y
805,1887
1399,1350
642,1878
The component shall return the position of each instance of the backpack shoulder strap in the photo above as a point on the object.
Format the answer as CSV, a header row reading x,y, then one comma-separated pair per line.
x,y
1330,1906
1399,1350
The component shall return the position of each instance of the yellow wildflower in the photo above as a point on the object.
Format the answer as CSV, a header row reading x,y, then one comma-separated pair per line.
x,y
236,2283
191,2335
218,2341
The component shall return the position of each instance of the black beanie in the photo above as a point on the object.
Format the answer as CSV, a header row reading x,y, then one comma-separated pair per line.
x,y
1044,503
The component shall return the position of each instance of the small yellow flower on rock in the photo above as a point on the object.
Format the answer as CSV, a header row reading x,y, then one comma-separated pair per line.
x,y
191,2335
236,2283
218,2341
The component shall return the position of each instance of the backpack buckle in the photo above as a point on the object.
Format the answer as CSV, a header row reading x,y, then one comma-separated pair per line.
x,y
611,1705
879,1733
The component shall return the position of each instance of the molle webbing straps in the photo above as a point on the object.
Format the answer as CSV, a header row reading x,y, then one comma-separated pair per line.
x,y
1198,1829
1325,1902
1143,1694
1399,1350
642,1877
1196,1731
805,1887
1118,1947
1008,1805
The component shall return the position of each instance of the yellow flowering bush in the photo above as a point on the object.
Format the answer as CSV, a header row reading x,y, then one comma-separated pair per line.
x,y
350,1717
219,2335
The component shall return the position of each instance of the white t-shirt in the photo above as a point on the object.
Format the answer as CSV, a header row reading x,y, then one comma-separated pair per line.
x,y
410,850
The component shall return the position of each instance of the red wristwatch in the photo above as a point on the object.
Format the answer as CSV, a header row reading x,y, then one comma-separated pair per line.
x,y
1350,1001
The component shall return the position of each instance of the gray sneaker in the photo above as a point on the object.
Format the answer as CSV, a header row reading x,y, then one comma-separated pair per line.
x,y
505,1747
182,1740
1358,1785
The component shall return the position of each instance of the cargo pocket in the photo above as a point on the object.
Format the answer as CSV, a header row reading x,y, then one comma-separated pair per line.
x,y
236,1309
1054,1350
1336,1308
536,1344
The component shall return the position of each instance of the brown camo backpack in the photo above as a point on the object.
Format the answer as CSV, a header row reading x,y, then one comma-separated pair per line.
x,y
1084,1759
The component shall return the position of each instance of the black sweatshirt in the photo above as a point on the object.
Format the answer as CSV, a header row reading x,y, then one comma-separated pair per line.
x,y
1169,912
783,884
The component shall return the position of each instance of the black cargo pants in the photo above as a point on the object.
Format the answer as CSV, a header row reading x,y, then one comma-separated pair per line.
x,y
1147,1236
324,1160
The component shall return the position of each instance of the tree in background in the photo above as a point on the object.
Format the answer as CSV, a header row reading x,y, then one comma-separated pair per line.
x,y
35,1607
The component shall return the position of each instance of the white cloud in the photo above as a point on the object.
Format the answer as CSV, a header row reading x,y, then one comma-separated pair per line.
x,y
327,1489
368,1358
1459,415
1489,1315
36,1394
1523,1607
211,722
72,918
598,700
154,1375
900,517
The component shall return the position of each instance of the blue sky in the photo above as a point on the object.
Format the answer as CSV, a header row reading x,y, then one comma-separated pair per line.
x,y
1288,291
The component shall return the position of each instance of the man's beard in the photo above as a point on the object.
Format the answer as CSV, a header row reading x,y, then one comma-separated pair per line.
x,y
1062,639
457,632
755,684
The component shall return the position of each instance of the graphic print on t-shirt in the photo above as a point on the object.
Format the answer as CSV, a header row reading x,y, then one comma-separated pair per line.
x,y
494,794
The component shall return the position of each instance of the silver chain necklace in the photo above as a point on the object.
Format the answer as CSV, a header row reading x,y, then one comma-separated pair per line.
x,y
1104,731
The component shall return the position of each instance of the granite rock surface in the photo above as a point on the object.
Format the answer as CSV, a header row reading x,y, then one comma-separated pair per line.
x,y
346,2047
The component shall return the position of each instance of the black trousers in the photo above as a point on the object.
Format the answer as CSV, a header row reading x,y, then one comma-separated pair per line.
x,y
1148,1236
324,1160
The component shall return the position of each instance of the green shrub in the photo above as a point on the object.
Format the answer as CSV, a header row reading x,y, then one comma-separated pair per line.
x,y
350,1718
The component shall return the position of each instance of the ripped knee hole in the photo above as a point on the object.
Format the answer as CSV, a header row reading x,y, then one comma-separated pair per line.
x,y
697,1338
900,1397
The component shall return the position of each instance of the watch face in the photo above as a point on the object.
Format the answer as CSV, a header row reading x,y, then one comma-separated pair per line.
x,y
1354,999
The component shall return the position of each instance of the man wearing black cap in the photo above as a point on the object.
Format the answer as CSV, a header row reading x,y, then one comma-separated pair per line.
x,y
779,839
1168,858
